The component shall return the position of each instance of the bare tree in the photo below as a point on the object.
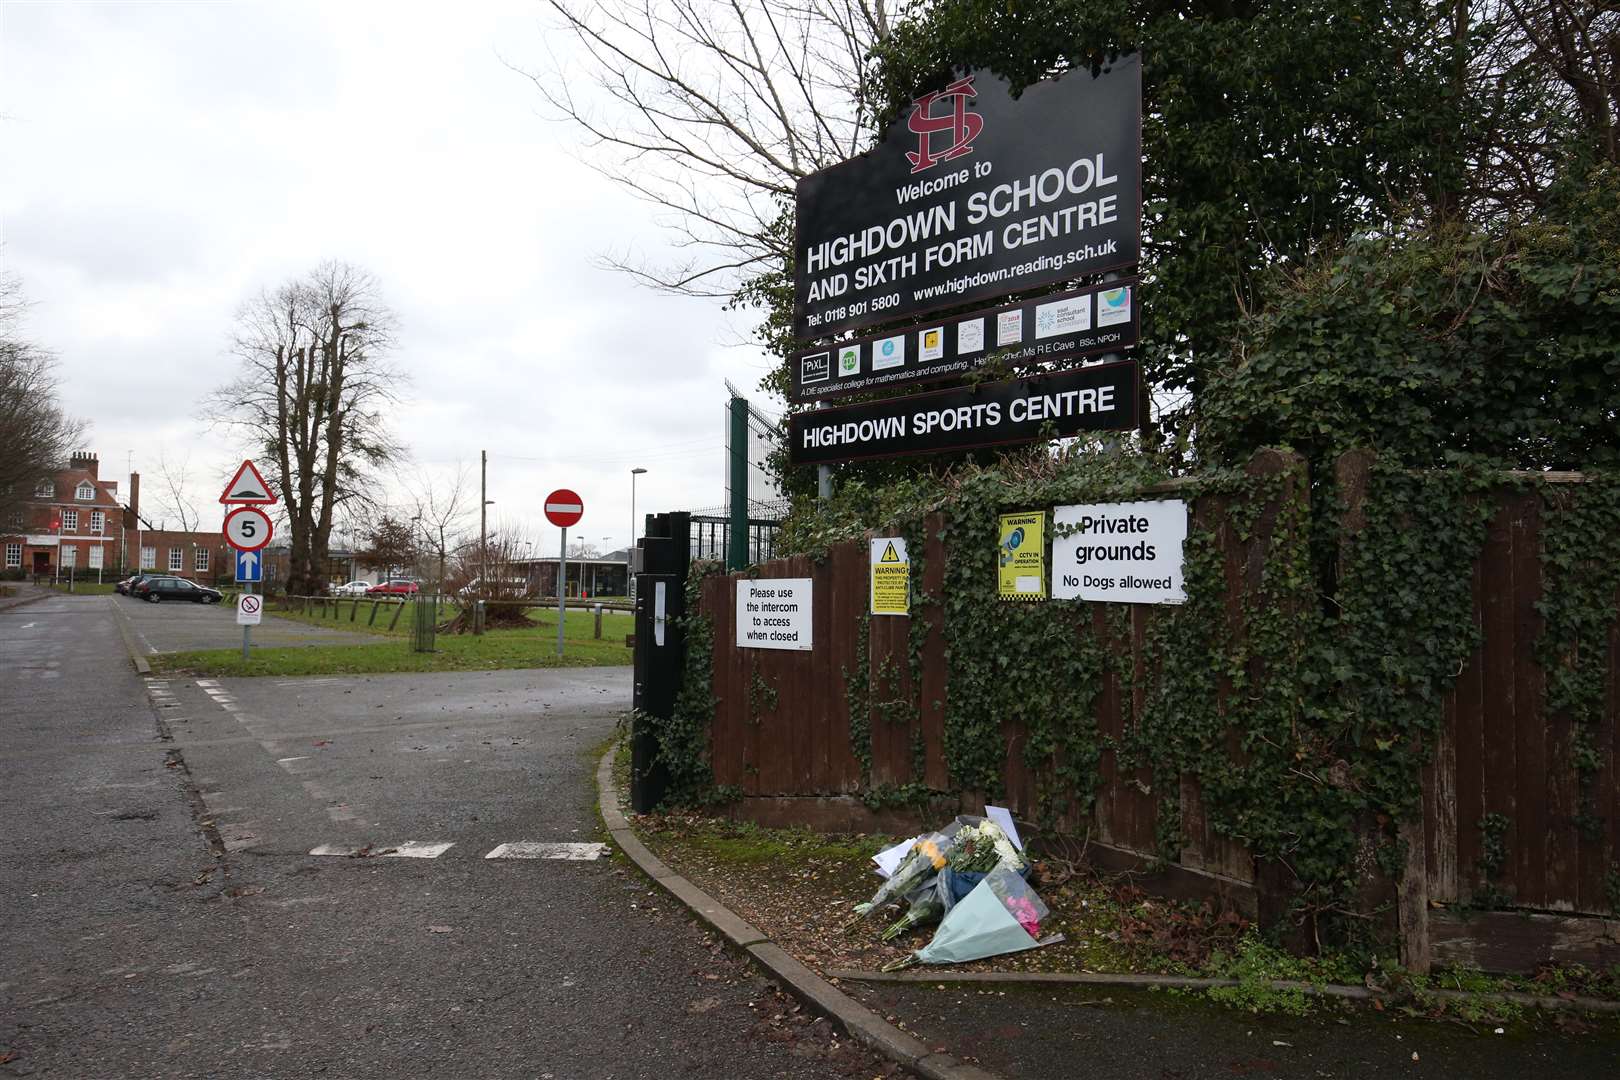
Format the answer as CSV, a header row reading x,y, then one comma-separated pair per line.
x,y
173,497
1577,43
441,508
36,436
313,395
499,576
712,110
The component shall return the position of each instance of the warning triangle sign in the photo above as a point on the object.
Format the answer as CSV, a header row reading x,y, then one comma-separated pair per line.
x,y
889,554
247,486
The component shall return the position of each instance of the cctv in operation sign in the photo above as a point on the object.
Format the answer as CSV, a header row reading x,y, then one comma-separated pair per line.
x,y
974,193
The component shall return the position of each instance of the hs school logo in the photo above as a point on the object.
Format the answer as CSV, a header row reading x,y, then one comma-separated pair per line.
x,y
959,125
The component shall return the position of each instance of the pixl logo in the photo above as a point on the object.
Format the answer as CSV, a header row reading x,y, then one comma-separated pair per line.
x,y
961,126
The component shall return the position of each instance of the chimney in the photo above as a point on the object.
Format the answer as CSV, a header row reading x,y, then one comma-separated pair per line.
x,y
135,495
84,459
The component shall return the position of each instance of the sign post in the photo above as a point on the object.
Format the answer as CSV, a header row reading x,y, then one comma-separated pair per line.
x,y
247,529
563,508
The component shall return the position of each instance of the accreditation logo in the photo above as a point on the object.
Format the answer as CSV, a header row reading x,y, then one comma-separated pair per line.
x,y
1114,306
817,367
849,361
889,353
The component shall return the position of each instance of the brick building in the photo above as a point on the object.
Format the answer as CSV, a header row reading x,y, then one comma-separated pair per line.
x,y
74,521
76,524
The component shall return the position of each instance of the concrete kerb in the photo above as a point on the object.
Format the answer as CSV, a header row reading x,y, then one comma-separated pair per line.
x,y
141,666
1185,982
854,1019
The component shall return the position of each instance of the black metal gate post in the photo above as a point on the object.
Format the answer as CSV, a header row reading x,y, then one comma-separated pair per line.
x,y
660,649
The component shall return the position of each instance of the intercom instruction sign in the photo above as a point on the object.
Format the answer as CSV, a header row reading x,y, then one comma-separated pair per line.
x,y
1122,553
774,613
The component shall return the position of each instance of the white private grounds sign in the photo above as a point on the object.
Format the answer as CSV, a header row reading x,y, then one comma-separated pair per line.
x,y
1122,553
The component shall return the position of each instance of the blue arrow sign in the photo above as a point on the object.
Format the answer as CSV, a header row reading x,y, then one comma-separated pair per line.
x,y
249,566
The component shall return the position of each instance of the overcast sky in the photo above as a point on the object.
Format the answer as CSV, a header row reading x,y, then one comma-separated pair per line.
x,y
162,162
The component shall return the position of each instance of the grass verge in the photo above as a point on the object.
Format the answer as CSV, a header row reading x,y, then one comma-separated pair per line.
x,y
498,649
798,887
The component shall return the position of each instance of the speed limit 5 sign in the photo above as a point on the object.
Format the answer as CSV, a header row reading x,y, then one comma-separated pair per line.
x,y
247,528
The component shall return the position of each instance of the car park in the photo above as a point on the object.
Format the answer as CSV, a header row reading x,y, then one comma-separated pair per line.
x,y
158,588
394,587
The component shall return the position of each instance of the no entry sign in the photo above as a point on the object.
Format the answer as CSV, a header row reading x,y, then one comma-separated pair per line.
x,y
564,508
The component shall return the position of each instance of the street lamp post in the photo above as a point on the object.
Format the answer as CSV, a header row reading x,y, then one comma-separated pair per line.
x,y
630,552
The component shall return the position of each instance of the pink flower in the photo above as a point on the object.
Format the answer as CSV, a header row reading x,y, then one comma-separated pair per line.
x,y
1025,913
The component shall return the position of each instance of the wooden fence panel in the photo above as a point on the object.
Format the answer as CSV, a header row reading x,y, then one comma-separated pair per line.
x,y
934,689
1496,755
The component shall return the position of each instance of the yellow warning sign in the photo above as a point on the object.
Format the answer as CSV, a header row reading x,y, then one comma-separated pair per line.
x,y
891,577
1021,556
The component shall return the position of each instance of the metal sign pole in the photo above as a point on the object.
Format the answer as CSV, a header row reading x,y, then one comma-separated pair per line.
x,y
562,588
247,590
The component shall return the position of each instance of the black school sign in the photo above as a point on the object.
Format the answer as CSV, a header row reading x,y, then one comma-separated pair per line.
x,y
974,193
1101,398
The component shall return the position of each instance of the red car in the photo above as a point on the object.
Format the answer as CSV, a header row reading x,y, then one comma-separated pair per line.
x,y
394,587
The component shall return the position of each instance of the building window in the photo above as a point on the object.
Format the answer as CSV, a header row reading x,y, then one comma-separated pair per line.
x,y
45,490
148,558
177,560
97,555
97,520
202,560
86,492
70,556
13,556
70,521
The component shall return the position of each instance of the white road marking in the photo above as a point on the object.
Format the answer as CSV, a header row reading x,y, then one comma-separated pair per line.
x,y
290,760
207,682
410,849
414,849
533,849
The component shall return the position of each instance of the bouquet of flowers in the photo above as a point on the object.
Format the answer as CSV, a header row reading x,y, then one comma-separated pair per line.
x,y
927,857
924,908
1002,914
980,847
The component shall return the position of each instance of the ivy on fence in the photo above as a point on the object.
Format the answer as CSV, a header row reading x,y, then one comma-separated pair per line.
x,y
1303,701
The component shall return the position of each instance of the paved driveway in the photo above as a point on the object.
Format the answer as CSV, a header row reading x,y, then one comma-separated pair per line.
x,y
161,628
164,930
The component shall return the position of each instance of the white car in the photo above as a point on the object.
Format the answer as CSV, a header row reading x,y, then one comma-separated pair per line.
x,y
353,588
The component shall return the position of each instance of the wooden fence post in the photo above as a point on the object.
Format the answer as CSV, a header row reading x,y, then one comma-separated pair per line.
x,y
1352,472
399,607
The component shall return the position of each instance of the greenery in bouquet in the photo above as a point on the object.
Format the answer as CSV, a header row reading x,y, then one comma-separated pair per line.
x,y
925,907
927,857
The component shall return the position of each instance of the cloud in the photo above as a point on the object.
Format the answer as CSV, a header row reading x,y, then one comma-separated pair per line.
x,y
161,163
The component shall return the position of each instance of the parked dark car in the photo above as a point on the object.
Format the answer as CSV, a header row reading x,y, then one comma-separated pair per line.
x,y
394,587
155,589
127,586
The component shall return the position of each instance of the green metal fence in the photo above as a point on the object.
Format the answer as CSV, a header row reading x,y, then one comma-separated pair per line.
x,y
424,621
